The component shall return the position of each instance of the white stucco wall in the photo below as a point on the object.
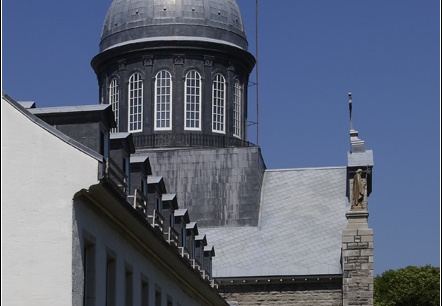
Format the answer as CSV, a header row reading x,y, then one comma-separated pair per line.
x,y
107,238
40,175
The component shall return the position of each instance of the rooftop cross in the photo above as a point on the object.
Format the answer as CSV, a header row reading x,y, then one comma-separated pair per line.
x,y
350,108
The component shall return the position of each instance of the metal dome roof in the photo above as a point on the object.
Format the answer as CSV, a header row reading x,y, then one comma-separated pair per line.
x,y
132,21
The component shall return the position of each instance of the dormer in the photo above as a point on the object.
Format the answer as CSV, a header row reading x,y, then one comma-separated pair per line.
x,y
155,190
191,233
139,170
170,204
87,124
181,221
209,253
200,243
121,147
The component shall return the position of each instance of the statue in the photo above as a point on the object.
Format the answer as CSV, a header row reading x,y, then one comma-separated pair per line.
x,y
358,193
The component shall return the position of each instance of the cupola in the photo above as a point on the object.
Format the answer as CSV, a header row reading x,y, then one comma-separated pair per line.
x,y
176,72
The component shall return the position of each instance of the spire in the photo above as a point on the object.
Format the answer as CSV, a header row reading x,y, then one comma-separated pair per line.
x,y
359,159
350,109
357,145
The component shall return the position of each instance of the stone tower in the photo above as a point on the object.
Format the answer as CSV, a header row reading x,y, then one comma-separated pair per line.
x,y
176,74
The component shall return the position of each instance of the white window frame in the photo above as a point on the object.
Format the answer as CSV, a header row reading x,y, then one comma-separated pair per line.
x,y
114,100
135,98
163,101
219,104
237,110
192,98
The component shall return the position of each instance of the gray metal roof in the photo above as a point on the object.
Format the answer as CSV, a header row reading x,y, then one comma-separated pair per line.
x,y
192,226
70,109
202,238
154,179
361,159
181,212
121,135
168,197
299,233
27,104
128,20
138,158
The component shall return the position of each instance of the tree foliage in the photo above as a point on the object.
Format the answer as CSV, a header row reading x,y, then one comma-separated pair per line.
x,y
410,286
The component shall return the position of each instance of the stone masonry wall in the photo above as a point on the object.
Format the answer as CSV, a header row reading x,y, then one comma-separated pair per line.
x,y
327,294
357,256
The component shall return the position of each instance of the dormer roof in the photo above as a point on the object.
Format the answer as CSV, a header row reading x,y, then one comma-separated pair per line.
x,y
122,140
182,213
158,182
192,226
170,199
202,238
210,250
61,115
143,162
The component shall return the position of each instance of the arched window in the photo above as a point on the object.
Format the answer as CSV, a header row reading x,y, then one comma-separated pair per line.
x,y
135,103
163,100
218,104
114,100
192,96
237,110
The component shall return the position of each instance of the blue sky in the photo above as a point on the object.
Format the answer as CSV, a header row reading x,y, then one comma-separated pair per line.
x,y
310,55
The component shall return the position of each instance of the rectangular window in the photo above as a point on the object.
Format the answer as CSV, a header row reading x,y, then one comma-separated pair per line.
x,y
172,220
143,188
183,237
192,97
129,286
218,104
144,291
169,301
135,103
163,101
114,100
110,280
237,113
159,206
157,296
89,272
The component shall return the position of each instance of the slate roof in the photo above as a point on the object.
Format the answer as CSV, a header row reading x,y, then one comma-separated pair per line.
x,y
360,159
299,233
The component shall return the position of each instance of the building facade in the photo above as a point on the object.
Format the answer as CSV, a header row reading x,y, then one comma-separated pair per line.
x,y
171,128
82,233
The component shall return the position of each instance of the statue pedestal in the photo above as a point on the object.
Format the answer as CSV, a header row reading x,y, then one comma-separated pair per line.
x,y
357,219
357,260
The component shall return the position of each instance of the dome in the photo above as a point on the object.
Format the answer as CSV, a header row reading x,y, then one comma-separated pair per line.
x,y
134,21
